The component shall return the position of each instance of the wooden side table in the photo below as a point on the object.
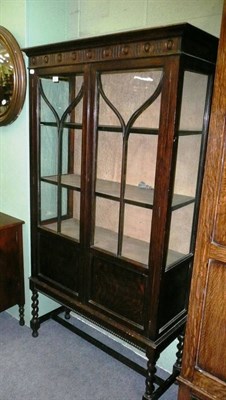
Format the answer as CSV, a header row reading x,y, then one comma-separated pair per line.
x,y
11,265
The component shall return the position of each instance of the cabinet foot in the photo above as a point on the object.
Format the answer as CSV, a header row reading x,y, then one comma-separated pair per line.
x,y
67,314
150,377
21,315
35,323
179,354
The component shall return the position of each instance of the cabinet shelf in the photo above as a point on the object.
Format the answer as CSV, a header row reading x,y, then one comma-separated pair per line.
x,y
111,190
115,129
71,181
133,249
69,227
106,240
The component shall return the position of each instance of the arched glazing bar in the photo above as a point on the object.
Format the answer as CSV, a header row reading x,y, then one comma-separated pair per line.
x,y
126,130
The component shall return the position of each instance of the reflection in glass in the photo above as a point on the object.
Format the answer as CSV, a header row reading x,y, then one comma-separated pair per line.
x,y
13,79
6,79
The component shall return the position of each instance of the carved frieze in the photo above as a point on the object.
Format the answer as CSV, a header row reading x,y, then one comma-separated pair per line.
x,y
112,52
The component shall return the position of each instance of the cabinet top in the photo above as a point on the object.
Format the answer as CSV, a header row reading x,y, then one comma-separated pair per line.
x,y
169,40
6,221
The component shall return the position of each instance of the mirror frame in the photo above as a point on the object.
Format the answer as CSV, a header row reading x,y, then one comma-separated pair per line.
x,y
8,41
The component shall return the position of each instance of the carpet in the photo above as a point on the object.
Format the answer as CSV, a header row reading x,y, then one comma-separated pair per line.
x,y
59,365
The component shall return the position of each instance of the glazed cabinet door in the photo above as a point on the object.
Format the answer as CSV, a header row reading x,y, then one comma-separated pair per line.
x,y
58,191
146,173
128,103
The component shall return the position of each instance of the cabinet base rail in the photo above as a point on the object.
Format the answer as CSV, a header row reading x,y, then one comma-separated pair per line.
x,y
162,384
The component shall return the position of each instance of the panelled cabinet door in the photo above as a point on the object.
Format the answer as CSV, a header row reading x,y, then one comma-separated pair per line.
x,y
204,363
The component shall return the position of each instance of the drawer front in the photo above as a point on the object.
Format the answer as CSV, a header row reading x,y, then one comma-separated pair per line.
x,y
9,268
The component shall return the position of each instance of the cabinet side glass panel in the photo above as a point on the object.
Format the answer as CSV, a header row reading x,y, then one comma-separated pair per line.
x,y
126,149
60,153
187,164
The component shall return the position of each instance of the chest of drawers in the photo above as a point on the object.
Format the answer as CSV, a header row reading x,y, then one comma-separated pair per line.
x,y
11,264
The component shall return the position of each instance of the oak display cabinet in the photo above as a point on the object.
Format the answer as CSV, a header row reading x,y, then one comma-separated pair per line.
x,y
118,130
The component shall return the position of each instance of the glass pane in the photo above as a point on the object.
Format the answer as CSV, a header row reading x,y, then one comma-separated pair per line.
x,y
193,101
70,213
56,91
61,134
137,229
106,225
127,92
109,156
76,169
48,154
187,164
141,160
60,153
67,222
180,233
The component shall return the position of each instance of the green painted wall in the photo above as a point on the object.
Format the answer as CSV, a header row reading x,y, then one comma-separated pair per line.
x,y
35,22
14,146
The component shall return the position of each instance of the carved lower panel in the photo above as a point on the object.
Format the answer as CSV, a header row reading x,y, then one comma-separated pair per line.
x,y
118,290
59,261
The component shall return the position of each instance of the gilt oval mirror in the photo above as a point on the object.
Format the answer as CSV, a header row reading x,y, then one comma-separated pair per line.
x,y
12,78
